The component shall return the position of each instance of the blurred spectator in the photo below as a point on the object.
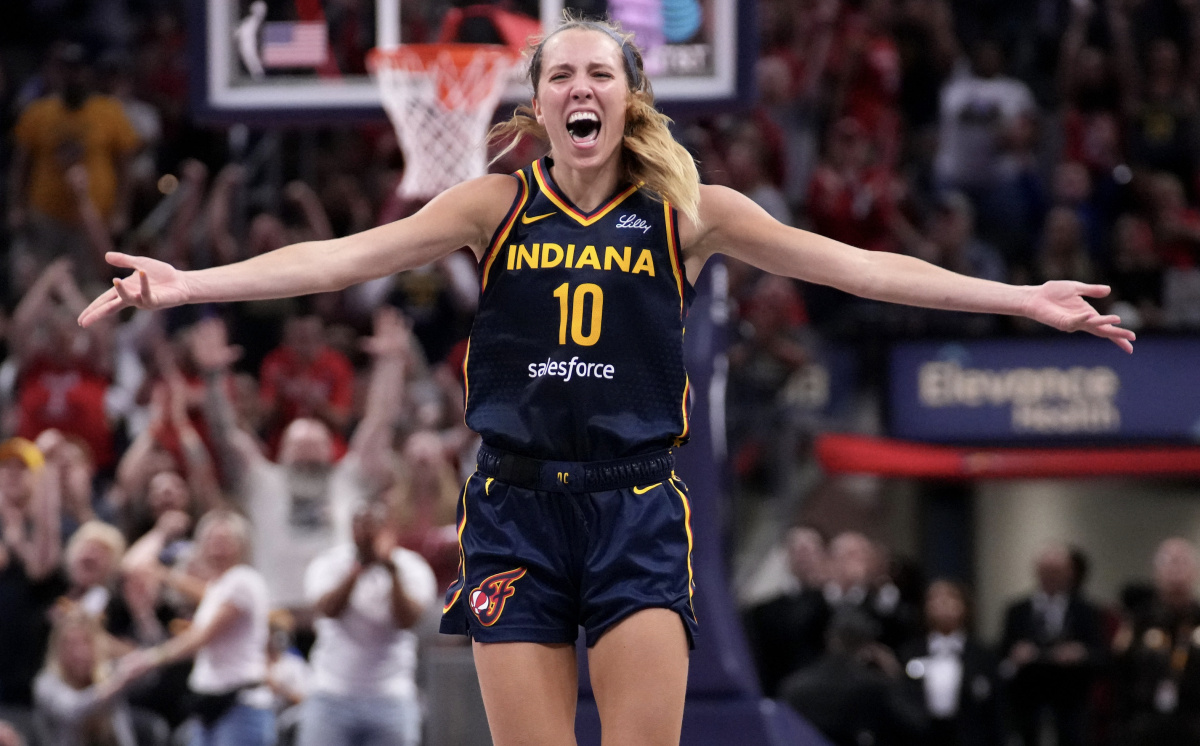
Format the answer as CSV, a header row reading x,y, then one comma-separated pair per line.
x,y
306,378
768,350
71,126
424,501
925,41
1159,90
851,199
954,244
854,694
300,505
954,674
228,638
747,159
857,580
788,633
1091,92
1012,208
1073,190
9,735
976,109
1176,223
1136,275
71,461
1159,676
288,672
78,696
30,547
1052,646
1063,253
90,561
64,370
867,66
368,594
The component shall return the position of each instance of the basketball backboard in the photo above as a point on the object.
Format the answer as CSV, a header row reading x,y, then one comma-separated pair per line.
x,y
304,61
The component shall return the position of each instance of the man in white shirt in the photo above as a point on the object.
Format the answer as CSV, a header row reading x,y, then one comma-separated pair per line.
x,y
368,595
976,110
302,505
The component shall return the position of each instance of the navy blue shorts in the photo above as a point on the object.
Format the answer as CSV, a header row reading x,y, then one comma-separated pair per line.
x,y
538,562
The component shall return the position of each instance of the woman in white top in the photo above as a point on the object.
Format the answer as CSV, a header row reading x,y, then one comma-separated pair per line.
x,y
77,696
228,638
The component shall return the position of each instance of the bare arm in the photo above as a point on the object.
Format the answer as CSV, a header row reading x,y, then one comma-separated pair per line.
x,y
405,611
735,226
390,347
177,246
334,603
212,353
188,643
310,204
225,246
18,175
1072,42
465,215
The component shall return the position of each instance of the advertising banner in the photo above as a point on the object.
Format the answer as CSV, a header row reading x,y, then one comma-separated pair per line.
x,y
1046,389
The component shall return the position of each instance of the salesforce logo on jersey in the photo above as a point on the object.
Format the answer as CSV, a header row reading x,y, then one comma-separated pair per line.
x,y
1045,389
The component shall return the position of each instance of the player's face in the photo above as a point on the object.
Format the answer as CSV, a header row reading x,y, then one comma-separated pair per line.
x,y
581,97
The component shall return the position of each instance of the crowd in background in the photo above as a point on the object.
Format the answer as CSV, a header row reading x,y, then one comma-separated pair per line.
x,y
871,651
211,515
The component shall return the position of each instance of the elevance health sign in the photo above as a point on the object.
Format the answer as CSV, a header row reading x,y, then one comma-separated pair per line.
x,y
1045,389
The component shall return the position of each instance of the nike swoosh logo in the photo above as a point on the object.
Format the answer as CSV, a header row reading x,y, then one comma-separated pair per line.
x,y
527,220
644,490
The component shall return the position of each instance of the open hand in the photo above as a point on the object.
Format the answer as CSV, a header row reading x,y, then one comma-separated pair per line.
x,y
153,285
209,344
392,336
1061,304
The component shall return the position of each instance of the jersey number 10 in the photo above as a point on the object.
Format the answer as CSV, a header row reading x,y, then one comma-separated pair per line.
x,y
576,314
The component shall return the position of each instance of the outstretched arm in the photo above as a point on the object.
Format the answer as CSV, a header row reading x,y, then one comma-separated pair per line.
x,y
732,224
465,215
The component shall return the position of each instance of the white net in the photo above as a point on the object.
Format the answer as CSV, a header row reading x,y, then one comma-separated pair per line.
x,y
440,100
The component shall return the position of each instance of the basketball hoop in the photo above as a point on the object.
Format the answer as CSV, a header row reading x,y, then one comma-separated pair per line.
x,y
440,98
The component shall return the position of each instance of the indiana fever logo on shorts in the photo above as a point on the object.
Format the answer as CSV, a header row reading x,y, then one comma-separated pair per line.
x,y
487,601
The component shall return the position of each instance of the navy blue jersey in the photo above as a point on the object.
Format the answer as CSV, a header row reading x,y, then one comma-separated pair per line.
x,y
576,353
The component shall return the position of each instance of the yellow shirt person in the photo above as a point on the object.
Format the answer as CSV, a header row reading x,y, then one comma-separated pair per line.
x,y
55,137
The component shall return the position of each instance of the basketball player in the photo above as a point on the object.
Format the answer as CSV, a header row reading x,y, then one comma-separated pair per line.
x,y
575,380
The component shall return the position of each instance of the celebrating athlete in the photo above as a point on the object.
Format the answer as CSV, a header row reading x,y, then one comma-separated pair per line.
x,y
575,379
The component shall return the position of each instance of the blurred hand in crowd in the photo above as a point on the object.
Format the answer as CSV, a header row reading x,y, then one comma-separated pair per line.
x,y
9,735
210,348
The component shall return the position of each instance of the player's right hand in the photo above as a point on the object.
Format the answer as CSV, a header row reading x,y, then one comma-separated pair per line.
x,y
153,285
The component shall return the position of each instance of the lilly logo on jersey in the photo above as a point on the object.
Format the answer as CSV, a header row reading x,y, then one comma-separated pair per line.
x,y
487,601
633,221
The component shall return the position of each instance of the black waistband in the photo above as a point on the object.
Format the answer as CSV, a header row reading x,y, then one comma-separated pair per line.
x,y
575,476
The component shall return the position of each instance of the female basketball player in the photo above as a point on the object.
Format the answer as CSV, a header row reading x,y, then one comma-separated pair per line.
x,y
575,378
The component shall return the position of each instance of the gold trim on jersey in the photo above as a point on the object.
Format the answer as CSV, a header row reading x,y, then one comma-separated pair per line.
x,y
673,253
562,204
494,249
462,555
687,524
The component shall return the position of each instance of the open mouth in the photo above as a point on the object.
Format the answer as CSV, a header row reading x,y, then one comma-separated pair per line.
x,y
583,127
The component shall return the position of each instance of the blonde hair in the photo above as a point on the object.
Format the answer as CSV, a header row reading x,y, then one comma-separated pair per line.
x,y
226,517
75,617
97,531
650,156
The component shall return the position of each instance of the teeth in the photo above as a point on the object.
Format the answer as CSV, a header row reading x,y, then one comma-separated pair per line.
x,y
582,115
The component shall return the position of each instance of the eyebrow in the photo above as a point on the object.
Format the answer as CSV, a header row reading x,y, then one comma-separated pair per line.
x,y
568,66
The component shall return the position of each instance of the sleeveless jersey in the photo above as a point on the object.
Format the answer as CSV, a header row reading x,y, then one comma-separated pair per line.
x,y
576,353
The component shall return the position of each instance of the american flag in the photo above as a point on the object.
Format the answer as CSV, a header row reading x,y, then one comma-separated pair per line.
x,y
294,44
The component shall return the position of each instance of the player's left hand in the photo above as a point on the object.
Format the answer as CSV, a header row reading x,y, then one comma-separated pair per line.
x,y
1061,304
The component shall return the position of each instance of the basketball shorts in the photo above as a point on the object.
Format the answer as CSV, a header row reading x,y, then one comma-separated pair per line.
x,y
547,547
